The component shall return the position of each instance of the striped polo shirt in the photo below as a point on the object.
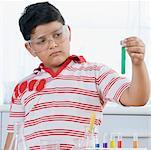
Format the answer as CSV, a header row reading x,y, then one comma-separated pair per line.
x,y
57,106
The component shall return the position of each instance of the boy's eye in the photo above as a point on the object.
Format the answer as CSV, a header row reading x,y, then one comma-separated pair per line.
x,y
40,41
58,35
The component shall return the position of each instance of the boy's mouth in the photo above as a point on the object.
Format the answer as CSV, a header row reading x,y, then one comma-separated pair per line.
x,y
55,53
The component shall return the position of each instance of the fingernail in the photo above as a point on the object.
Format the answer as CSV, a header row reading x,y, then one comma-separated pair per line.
x,y
124,44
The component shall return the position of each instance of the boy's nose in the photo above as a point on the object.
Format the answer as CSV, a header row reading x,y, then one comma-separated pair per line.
x,y
52,44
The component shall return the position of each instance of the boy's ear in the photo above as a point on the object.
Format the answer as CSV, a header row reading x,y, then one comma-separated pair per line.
x,y
29,48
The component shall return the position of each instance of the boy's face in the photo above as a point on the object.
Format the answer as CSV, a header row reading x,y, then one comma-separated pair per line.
x,y
50,43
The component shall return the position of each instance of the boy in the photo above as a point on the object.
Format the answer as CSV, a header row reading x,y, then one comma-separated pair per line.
x,y
56,101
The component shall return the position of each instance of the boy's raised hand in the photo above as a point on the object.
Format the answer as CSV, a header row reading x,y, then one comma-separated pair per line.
x,y
135,48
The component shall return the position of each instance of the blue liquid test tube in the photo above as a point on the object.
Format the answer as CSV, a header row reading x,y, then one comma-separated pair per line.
x,y
97,144
96,135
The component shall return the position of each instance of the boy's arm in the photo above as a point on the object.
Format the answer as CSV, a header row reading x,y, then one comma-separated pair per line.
x,y
8,141
138,93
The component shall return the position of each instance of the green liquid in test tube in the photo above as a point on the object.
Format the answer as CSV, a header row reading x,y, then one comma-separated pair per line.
x,y
123,60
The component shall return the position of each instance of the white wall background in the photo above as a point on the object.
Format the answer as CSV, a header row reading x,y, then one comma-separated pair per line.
x,y
97,28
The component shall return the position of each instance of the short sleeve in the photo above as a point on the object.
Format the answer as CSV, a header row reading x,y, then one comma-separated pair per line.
x,y
110,84
17,112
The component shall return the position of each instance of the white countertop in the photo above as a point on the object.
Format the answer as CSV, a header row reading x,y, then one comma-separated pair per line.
x,y
117,109
109,109
4,108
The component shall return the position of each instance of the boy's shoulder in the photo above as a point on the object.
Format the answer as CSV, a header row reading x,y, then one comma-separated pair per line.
x,y
91,65
37,74
27,78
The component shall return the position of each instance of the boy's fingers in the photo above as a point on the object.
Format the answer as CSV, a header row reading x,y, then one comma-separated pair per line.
x,y
139,50
137,56
133,41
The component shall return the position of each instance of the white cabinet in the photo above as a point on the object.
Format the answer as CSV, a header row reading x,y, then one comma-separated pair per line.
x,y
0,129
4,127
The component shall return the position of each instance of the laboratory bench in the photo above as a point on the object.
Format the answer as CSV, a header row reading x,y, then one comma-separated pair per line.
x,y
116,119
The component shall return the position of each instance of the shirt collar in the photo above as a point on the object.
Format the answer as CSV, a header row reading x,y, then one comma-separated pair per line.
x,y
75,58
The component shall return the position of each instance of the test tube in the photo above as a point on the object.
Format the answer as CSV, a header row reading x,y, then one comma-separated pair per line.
x,y
92,121
97,136
135,141
112,141
119,141
105,143
123,58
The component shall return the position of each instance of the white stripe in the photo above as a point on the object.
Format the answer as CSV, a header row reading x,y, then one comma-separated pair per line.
x,y
62,111
51,140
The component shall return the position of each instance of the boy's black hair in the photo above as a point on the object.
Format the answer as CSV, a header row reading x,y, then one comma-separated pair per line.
x,y
38,14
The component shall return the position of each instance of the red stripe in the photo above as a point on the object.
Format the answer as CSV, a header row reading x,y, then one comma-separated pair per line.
x,y
10,127
66,90
103,76
67,103
17,114
82,68
16,101
118,93
83,106
109,85
58,132
75,91
62,147
59,118
61,106
76,78
62,90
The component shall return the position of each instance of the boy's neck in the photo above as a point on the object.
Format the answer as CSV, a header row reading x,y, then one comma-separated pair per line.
x,y
55,69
